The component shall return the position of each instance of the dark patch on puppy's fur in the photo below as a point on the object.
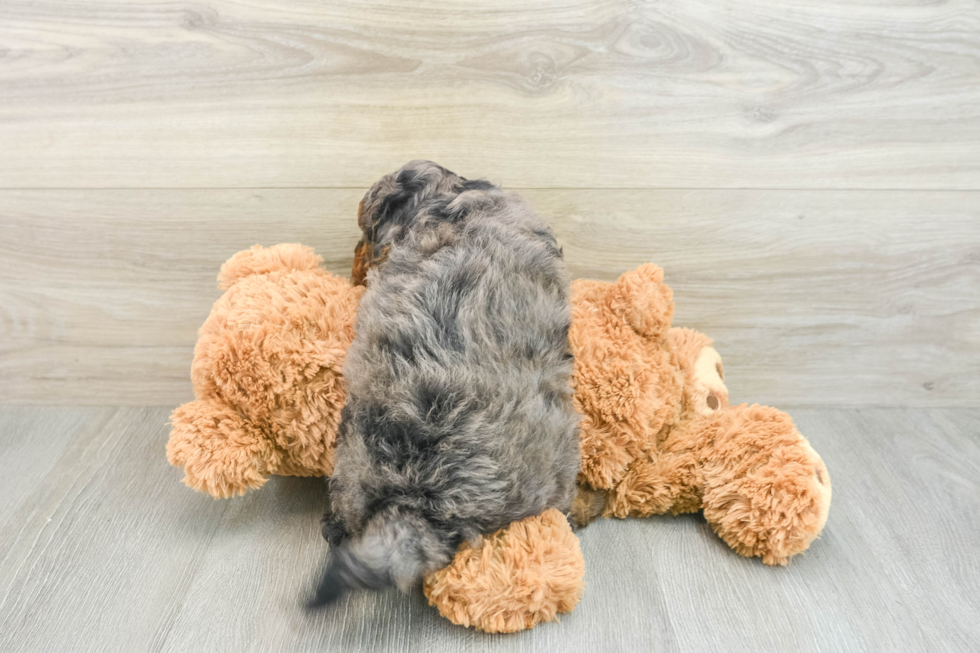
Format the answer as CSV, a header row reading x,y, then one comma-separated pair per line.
x,y
408,196
459,419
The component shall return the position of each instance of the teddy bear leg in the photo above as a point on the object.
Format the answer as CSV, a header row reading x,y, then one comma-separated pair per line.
x,y
766,491
221,453
513,579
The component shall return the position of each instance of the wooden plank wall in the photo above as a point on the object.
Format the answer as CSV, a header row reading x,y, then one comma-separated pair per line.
x,y
808,174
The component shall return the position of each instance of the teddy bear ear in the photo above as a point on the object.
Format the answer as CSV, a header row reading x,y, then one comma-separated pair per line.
x,y
643,300
262,260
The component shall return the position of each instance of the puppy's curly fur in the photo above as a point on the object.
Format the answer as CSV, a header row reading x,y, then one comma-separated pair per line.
x,y
459,416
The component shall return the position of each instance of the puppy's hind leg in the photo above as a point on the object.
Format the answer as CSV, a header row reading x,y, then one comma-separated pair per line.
x,y
334,530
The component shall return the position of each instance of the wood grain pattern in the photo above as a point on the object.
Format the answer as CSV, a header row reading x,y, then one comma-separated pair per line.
x,y
585,94
808,174
813,298
104,550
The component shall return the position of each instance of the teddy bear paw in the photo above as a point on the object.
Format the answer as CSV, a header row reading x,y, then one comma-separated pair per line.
x,y
767,492
519,576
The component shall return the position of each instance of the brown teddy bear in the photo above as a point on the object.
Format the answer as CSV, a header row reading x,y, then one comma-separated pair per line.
x,y
657,434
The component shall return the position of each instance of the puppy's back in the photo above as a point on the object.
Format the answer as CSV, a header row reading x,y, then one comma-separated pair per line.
x,y
459,417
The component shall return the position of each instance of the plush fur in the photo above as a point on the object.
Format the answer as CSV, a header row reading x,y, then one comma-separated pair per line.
x,y
513,579
266,373
659,434
459,416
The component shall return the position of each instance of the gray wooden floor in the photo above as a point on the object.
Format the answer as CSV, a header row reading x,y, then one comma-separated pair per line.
x,y
101,549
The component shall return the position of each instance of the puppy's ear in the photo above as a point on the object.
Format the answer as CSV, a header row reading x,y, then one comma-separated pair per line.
x,y
400,202
362,251
362,261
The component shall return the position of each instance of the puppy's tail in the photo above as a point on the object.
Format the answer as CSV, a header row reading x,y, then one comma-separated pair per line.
x,y
397,548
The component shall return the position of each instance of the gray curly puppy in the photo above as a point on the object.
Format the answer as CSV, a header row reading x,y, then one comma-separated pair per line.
x,y
459,416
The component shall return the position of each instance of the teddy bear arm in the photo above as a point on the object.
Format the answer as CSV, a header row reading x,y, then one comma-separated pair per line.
x,y
221,453
766,491
665,481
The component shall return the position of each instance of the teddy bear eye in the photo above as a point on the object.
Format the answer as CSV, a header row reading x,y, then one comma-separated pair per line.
x,y
720,370
713,402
